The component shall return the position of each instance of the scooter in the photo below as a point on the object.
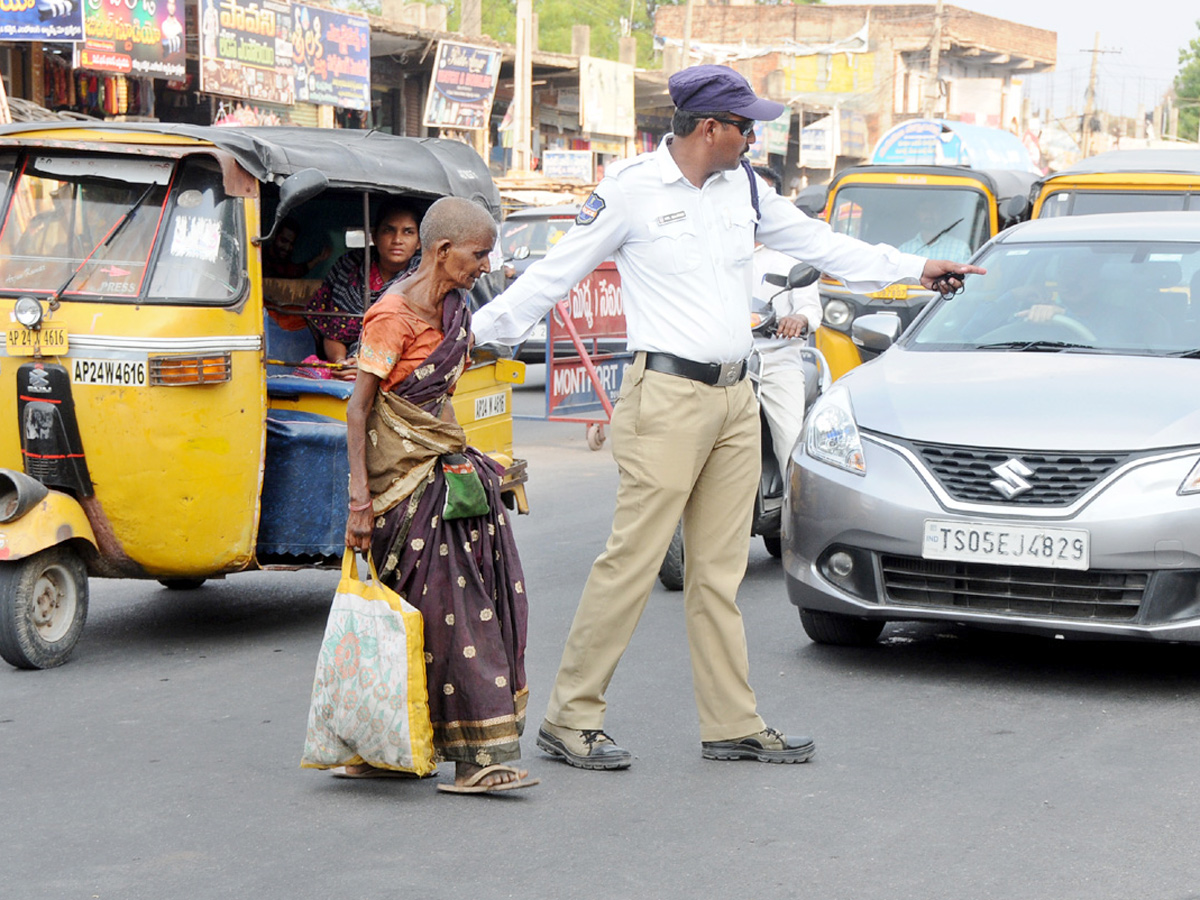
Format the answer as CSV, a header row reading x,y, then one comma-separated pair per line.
x,y
768,500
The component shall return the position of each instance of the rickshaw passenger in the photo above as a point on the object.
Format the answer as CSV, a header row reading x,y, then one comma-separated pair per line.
x,y
458,566
277,259
396,244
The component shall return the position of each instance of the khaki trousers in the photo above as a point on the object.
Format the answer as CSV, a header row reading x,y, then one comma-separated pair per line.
x,y
685,450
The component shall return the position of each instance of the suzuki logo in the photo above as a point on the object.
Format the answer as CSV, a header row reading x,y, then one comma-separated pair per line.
x,y
1011,482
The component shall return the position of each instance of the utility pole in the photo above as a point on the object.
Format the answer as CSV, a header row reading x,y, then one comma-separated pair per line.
x,y
933,82
1089,106
523,88
687,36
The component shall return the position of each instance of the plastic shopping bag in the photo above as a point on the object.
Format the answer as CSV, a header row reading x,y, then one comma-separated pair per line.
x,y
369,701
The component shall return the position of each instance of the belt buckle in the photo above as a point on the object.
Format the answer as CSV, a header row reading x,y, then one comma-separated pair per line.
x,y
731,373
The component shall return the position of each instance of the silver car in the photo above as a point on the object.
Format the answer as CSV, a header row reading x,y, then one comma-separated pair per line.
x,y
1026,456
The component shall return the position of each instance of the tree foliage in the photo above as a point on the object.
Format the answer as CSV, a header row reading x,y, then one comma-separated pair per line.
x,y
1187,88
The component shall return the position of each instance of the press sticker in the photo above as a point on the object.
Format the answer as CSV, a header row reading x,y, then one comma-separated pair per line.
x,y
590,210
196,237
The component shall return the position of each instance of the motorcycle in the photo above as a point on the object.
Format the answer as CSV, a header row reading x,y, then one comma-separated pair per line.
x,y
768,500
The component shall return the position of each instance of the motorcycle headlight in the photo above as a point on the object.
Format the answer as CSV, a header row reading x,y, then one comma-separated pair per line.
x,y
831,434
28,312
1191,484
838,313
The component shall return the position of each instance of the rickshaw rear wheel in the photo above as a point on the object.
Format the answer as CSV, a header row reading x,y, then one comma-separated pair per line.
x,y
43,606
181,584
670,573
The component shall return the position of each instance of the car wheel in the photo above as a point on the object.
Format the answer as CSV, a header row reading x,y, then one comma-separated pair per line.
x,y
842,631
670,573
774,544
43,605
181,584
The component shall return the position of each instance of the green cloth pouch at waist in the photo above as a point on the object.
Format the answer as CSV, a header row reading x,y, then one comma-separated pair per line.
x,y
465,496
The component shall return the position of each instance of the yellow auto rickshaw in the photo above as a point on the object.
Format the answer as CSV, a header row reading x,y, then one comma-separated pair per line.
x,y
161,426
938,211
1122,181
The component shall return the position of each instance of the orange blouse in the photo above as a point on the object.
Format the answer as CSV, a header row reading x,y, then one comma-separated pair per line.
x,y
395,340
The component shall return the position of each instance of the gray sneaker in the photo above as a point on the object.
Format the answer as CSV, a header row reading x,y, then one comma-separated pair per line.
x,y
767,745
588,749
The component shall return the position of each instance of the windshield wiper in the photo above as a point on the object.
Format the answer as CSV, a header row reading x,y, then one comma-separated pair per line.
x,y
1186,354
933,240
1034,346
104,241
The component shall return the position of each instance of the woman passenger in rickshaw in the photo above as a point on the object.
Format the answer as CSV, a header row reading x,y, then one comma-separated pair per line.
x,y
458,566
395,248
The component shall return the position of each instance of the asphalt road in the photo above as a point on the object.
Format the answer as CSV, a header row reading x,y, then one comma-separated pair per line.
x,y
162,761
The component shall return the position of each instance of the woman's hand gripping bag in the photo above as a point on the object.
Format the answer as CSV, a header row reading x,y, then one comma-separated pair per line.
x,y
369,699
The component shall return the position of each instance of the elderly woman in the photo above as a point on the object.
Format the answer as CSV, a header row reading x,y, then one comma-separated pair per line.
x,y
395,239
459,567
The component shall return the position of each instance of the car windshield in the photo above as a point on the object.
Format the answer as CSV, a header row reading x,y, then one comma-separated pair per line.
x,y
1120,297
1085,203
539,235
943,223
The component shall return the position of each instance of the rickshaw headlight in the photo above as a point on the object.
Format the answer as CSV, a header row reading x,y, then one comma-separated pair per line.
x,y
28,312
838,313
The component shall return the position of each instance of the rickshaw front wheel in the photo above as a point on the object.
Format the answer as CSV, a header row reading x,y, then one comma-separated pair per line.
x,y
43,605
181,584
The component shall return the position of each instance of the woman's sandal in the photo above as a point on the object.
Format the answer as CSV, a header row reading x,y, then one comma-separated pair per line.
x,y
473,786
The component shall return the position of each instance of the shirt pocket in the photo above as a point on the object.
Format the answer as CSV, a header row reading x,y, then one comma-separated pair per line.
x,y
739,222
675,247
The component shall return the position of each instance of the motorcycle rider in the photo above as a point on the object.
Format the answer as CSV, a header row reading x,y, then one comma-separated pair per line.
x,y
781,378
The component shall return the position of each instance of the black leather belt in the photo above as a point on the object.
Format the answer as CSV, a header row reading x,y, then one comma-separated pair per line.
x,y
716,374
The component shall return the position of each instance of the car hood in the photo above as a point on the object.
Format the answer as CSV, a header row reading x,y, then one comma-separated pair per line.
x,y
1042,401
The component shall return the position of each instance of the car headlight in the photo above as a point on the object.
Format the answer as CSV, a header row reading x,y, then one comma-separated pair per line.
x,y
831,434
28,312
838,313
1191,484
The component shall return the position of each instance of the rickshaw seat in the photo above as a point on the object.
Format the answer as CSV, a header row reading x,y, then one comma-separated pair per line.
x,y
295,385
294,347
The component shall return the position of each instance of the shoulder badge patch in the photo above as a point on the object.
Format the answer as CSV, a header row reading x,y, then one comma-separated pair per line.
x,y
590,210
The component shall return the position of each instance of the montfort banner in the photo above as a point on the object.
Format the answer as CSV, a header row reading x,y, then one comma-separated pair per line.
x,y
331,57
246,49
41,20
142,38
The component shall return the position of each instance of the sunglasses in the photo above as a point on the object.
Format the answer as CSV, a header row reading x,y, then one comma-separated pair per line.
x,y
745,126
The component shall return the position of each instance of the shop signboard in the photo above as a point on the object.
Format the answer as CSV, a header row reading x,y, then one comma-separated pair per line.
x,y
41,20
574,165
606,97
246,50
331,56
462,87
142,38
770,138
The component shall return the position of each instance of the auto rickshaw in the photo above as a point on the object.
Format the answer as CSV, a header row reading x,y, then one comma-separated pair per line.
x,y
881,204
160,427
1122,181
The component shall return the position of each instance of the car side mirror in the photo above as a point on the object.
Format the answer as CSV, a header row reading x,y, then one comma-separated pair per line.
x,y
876,332
297,189
802,275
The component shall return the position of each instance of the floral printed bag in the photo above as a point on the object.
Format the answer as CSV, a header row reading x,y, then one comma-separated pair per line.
x,y
369,702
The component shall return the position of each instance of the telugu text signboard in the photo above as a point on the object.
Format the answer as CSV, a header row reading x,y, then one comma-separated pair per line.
x,y
246,50
41,20
598,317
331,56
142,38
462,87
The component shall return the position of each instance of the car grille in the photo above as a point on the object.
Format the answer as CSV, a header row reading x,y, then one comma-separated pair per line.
x,y
1058,479
1018,590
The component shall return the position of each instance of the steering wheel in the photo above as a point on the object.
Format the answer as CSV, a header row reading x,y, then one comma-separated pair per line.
x,y
1074,325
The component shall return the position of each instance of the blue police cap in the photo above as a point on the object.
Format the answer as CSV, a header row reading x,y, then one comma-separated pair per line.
x,y
719,89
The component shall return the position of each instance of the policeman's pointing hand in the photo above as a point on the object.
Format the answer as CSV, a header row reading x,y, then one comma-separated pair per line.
x,y
945,277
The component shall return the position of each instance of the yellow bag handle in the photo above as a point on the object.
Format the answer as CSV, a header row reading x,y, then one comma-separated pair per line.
x,y
350,566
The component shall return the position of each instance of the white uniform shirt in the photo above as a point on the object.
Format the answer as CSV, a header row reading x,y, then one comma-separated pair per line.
x,y
685,255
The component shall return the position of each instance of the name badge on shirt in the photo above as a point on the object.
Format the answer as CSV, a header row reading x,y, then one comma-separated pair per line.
x,y
670,217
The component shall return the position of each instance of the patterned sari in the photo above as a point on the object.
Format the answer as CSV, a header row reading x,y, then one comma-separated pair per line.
x,y
463,574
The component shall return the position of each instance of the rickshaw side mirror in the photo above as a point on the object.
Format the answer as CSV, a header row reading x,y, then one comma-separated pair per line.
x,y
297,188
1016,209
802,275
